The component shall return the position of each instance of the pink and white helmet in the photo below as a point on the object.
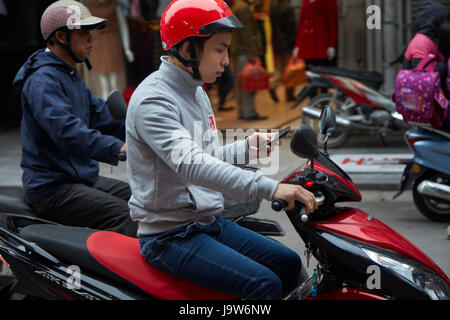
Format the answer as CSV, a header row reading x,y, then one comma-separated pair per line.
x,y
68,14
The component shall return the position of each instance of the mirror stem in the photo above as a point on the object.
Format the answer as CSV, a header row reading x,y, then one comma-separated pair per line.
x,y
325,145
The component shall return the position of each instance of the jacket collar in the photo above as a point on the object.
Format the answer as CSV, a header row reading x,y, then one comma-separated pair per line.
x,y
179,77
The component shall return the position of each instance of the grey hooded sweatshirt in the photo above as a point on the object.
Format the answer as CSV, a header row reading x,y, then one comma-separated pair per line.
x,y
177,170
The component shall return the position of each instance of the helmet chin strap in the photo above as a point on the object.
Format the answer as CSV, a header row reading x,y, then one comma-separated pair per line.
x,y
67,47
193,63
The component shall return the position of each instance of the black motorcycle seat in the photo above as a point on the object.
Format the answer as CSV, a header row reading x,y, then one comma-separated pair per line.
x,y
69,245
113,256
12,200
370,78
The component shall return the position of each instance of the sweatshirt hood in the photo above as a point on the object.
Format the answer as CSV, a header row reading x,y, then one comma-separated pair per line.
x,y
37,60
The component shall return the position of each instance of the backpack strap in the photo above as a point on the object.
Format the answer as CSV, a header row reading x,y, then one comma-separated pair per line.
x,y
425,63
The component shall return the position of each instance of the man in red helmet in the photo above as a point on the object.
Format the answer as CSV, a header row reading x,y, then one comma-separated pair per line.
x,y
66,130
177,171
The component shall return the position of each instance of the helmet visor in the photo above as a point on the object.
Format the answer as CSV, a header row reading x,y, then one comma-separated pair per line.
x,y
88,23
224,24
94,25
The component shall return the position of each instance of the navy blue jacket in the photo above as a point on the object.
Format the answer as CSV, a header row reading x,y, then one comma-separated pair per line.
x,y
65,129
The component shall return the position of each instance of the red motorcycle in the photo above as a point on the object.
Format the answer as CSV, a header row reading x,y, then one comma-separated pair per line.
x,y
359,106
358,256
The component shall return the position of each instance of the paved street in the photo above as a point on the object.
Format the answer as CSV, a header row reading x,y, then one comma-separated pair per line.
x,y
377,190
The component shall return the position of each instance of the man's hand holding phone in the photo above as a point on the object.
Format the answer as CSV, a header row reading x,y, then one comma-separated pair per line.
x,y
260,143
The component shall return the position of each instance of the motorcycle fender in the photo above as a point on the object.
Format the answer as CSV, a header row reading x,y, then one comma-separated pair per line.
x,y
410,174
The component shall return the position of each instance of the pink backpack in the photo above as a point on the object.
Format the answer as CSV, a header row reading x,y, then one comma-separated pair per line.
x,y
418,95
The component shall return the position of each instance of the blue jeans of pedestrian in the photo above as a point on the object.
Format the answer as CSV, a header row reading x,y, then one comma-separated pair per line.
x,y
225,257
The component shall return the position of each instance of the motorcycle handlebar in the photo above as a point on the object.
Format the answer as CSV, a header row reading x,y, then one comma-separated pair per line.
x,y
122,156
279,204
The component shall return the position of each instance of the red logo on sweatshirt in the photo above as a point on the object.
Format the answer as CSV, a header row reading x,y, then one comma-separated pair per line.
x,y
211,123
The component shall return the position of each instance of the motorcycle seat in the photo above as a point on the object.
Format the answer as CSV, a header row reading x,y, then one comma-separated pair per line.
x,y
12,200
372,79
440,133
113,256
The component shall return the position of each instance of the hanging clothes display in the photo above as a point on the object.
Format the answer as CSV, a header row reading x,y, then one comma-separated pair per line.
x,y
317,29
107,55
110,43
265,29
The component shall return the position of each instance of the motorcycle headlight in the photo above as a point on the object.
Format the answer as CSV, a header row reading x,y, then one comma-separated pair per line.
x,y
419,275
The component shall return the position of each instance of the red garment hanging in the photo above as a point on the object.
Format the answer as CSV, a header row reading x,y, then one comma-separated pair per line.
x,y
317,29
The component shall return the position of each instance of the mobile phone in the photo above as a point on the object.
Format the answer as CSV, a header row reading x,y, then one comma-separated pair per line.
x,y
277,137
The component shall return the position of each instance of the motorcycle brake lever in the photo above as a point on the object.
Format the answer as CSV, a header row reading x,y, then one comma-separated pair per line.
x,y
320,198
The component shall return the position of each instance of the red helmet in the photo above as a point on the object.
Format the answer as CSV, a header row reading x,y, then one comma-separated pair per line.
x,y
195,18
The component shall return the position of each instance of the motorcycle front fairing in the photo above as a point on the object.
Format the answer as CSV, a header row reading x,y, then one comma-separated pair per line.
x,y
351,225
354,262
332,180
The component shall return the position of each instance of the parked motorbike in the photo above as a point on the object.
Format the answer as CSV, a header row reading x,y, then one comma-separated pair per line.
x,y
429,172
358,256
359,106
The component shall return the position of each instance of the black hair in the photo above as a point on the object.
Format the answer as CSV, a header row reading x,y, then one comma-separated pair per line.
x,y
199,43
51,40
444,39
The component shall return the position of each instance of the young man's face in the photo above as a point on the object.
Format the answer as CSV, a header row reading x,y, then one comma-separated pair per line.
x,y
82,43
214,56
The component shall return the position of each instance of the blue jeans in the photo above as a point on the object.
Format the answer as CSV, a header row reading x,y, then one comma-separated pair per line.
x,y
225,257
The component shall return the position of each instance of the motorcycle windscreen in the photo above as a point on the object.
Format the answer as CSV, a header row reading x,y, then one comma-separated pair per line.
x,y
345,188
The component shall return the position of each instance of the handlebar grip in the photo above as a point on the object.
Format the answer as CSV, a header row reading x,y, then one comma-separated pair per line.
x,y
122,156
278,205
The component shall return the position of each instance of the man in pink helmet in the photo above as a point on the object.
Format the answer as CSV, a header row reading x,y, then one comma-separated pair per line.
x,y
66,130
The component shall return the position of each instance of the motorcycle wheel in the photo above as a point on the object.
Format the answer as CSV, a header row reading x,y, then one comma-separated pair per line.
x,y
432,208
341,134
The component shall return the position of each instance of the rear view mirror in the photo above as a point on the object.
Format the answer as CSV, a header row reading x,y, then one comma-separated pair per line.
x,y
304,142
116,105
327,121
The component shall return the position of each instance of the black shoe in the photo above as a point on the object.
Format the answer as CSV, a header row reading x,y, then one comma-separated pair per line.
x,y
273,95
290,96
256,117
